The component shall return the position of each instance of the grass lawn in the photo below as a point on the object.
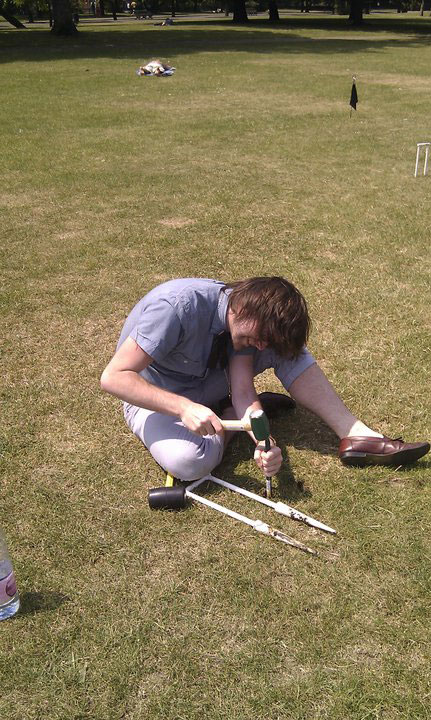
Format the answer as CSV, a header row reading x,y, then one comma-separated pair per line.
x,y
245,162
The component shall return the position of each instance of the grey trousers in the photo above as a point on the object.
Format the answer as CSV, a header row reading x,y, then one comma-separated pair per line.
x,y
180,452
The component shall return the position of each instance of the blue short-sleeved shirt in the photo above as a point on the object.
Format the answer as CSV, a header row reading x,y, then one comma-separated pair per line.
x,y
176,323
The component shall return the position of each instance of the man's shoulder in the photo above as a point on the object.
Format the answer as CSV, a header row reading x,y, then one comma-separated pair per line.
x,y
183,291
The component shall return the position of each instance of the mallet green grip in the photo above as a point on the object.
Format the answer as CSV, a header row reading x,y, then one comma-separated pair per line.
x,y
259,425
261,431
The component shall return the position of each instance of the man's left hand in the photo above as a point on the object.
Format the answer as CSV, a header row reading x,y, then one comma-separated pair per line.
x,y
268,461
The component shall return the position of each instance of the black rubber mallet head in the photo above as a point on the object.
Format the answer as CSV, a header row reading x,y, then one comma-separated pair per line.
x,y
169,497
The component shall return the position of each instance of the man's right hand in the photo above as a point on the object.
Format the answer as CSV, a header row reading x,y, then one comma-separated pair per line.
x,y
201,420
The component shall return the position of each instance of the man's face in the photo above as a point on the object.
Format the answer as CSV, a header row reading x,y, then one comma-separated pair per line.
x,y
244,333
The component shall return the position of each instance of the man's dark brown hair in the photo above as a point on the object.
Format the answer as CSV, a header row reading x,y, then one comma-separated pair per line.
x,y
277,307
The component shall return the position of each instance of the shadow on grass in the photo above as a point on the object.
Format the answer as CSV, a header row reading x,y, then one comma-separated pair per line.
x,y
285,487
404,26
298,429
35,602
258,36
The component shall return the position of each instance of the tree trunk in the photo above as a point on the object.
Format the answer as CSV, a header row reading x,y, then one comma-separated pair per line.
x,y
239,12
273,11
341,7
356,17
11,19
62,18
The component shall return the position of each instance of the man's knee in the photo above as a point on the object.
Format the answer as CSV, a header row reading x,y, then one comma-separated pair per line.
x,y
189,461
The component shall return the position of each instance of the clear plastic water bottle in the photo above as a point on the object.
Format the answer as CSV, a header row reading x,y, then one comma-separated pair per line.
x,y
9,598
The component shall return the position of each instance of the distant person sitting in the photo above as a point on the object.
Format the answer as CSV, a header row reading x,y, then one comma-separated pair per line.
x,y
155,67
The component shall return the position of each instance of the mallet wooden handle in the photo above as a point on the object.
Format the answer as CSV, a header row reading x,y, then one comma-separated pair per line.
x,y
257,422
236,424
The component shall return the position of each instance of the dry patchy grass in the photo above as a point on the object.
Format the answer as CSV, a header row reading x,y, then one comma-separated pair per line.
x,y
113,184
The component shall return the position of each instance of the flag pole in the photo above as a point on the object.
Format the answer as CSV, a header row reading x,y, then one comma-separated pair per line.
x,y
353,96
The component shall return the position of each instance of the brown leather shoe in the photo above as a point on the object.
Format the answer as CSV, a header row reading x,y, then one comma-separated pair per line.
x,y
380,451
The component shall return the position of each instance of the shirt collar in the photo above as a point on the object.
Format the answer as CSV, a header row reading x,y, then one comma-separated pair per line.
x,y
219,323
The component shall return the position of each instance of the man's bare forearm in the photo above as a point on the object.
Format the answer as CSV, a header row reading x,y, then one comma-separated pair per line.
x,y
130,387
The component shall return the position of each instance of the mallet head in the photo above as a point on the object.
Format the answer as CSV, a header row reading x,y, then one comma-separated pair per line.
x,y
259,425
167,498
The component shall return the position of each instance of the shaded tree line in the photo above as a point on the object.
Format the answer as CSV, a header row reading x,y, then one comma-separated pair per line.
x,y
64,14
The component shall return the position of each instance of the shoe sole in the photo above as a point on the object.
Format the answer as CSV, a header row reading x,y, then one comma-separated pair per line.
x,y
403,457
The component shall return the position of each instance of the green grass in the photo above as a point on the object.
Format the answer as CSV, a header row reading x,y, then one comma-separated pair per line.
x,y
245,162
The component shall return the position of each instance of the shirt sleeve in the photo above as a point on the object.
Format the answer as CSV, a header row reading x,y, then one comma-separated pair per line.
x,y
158,330
246,351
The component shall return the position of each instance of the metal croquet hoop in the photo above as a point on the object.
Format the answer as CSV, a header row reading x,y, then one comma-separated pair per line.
x,y
419,147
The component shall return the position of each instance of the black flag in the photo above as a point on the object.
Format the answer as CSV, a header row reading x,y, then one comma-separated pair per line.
x,y
353,95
